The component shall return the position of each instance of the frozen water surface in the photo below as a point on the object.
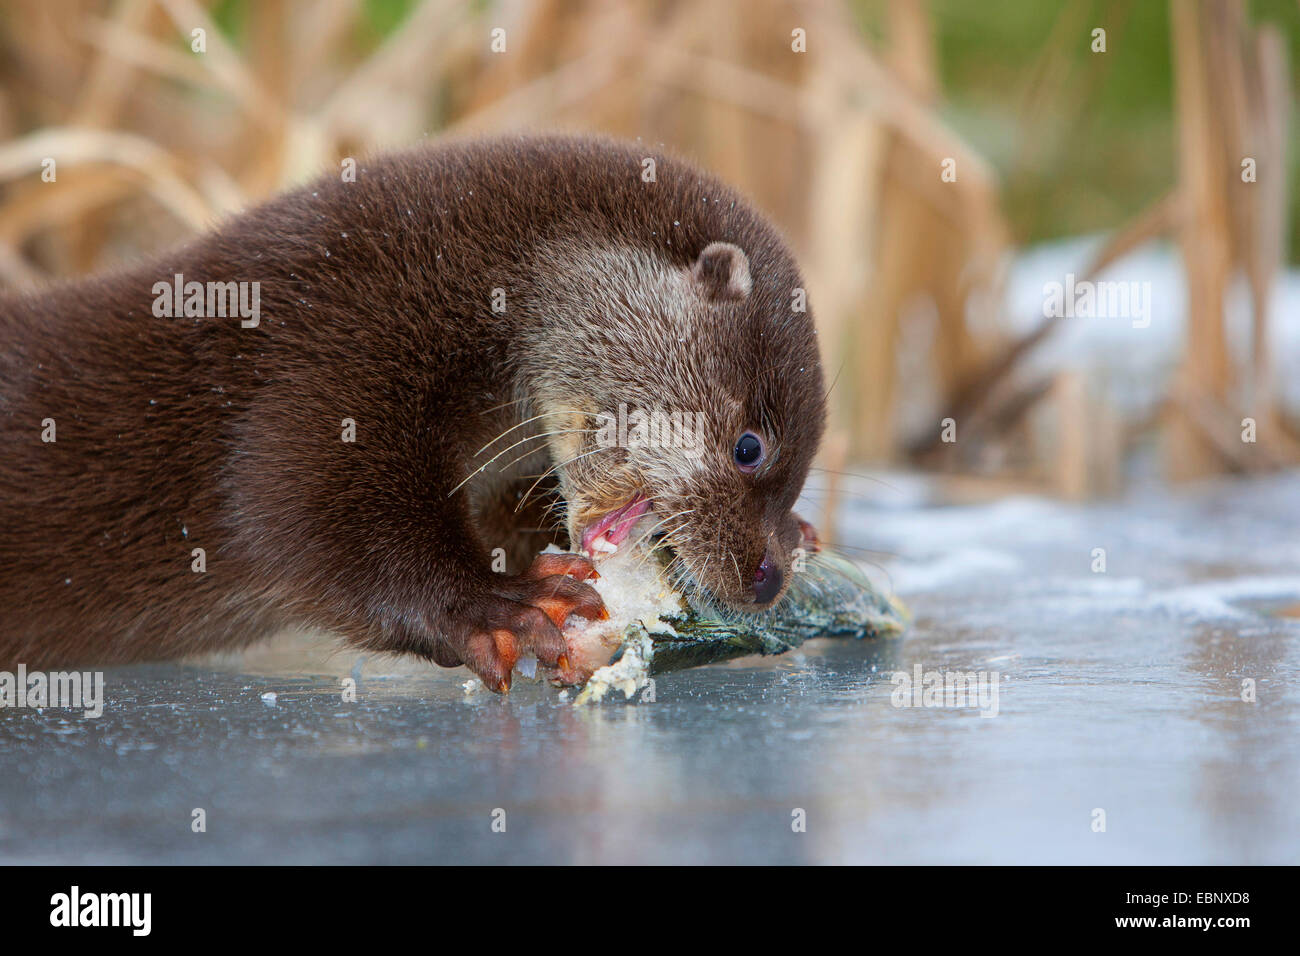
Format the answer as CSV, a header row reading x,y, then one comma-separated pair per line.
x,y
1119,691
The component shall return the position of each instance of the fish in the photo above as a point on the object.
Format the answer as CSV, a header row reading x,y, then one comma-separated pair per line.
x,y
660,623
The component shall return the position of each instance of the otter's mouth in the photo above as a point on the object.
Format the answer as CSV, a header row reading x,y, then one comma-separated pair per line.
x,y
612,529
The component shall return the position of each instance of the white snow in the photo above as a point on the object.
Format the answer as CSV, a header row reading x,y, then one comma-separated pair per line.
x,y
1134,364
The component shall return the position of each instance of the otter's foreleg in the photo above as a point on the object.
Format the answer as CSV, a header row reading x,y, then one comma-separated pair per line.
x,y
372,538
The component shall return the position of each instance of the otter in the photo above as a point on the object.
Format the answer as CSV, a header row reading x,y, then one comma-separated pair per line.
x,y
415,397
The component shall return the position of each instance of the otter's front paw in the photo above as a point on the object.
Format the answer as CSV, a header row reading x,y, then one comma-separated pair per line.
x,y
523,615
808,539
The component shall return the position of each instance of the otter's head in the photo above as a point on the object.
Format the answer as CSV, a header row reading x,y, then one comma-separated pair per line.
x,y
692,393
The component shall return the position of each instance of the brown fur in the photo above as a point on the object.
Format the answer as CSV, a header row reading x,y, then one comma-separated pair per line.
x,y
181,433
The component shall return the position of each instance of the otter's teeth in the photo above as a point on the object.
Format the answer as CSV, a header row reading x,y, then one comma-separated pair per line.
x,y
604,545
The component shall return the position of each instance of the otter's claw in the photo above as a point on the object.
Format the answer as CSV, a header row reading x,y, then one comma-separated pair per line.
x,y
808,535
552,563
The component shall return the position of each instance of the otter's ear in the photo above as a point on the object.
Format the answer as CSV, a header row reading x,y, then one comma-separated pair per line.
x,y
723,270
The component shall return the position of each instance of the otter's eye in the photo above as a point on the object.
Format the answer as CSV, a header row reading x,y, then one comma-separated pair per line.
x,y
748,452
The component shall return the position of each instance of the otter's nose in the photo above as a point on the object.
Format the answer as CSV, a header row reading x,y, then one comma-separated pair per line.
x,y
767,581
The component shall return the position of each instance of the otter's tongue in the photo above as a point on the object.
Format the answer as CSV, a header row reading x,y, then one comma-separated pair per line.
x,y
612,529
